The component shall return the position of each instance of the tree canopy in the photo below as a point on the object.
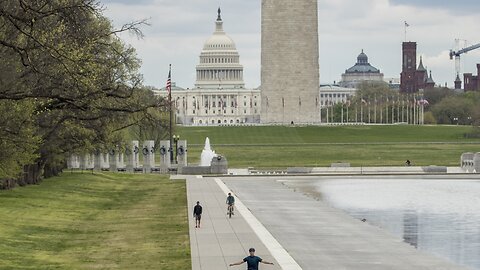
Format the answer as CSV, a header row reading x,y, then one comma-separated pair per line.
x,y
67,81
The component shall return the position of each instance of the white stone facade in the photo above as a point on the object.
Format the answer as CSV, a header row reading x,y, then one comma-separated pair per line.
x,y
333,94
216,106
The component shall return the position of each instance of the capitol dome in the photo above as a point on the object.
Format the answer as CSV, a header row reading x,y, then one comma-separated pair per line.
x,y
219,65
219,40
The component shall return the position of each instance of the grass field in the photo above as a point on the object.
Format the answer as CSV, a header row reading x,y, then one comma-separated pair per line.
x,y
101,221
285,146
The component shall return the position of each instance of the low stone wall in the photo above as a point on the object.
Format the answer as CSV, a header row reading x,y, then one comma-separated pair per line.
x,y
194,170
435,169
369,170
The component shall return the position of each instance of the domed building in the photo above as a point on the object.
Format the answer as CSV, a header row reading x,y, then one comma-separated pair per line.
x,y
219,61
219,96
361,71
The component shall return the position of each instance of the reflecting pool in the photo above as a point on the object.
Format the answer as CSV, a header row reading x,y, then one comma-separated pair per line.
x,y
439,216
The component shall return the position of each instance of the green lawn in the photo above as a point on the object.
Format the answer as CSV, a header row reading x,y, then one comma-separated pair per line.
x,y
101,221
285,146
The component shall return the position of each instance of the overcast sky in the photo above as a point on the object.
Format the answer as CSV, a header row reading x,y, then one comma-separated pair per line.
x,y
179,28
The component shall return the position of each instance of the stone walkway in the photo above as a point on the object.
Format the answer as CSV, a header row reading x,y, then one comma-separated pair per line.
x,y
220,240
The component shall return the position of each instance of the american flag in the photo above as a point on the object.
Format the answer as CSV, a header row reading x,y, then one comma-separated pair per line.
x,y
169,81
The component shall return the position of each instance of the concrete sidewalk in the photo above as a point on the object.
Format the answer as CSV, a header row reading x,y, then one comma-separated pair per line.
x,y
220,240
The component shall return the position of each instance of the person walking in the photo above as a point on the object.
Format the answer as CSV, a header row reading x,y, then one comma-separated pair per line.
x,y
252,261
197,214
230,202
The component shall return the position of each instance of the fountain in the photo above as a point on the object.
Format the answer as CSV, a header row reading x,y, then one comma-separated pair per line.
x,y
207,154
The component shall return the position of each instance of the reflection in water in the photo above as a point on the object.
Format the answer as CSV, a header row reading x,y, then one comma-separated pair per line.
x,y
441,217
410,227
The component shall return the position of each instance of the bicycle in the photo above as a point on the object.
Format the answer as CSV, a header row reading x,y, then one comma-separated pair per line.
x,y
230,211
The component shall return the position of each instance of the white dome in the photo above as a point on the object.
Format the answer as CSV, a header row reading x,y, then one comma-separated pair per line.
x,y
219,41
219,61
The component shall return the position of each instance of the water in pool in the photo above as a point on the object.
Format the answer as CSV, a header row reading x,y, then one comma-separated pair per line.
x,y
439,216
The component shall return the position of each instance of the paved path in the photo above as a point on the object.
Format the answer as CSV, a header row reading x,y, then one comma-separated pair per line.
x,y
220,240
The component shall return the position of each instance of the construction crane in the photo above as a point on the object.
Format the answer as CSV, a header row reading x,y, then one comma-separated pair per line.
x,y
458,53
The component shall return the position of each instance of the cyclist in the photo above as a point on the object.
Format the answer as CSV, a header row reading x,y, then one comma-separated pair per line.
x,y
230,202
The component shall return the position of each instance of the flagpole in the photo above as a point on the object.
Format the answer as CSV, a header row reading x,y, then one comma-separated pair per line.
x,y
169,88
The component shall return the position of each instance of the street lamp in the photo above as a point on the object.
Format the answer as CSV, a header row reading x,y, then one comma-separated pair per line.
x,y
456,120
175,141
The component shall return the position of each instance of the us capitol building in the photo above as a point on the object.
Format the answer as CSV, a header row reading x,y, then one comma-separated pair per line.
x,y
219,96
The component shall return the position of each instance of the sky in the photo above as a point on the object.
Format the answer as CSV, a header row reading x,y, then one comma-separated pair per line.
x,y
178,30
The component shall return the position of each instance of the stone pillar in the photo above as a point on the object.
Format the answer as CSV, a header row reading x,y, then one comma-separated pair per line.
x,y
182,153
90,161
133,154
112,154
290,62
97,161
105,161
164,154
476,163
71,161
148,152
121,161
83,162
75,164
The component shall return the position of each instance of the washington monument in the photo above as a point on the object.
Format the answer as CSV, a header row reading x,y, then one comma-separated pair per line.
x,y
290,69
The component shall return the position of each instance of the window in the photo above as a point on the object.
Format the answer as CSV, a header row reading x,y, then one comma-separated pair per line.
x,y
219,121
200,122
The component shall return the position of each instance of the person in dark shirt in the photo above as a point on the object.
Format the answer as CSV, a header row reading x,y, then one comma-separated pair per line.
x,y
197,214
252,261
230,202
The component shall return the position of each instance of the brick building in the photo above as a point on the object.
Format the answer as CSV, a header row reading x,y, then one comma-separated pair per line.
x,y
412,78
472,83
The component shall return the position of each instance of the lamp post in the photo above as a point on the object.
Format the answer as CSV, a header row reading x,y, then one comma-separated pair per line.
x,y
175,141
455,119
